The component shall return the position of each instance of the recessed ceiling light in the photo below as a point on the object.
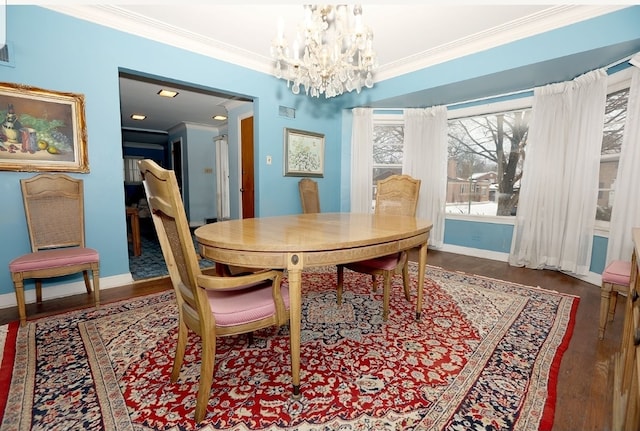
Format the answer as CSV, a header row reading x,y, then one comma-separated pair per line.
x,y
138,117
167,93
219,117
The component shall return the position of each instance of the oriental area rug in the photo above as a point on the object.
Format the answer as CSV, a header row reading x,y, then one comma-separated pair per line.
x,y
484,356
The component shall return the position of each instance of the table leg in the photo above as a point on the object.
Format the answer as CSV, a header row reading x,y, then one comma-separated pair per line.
x,y
295,316
422,263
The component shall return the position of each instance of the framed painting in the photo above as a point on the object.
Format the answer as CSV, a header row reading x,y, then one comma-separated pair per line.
x,y
303,153
41,130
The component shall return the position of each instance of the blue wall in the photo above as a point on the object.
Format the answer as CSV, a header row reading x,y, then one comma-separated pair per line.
x,y
57,52
48,53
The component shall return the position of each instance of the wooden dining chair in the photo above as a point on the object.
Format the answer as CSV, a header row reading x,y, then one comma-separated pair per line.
x,y
616,278
395,195
54,210
208,305
309,197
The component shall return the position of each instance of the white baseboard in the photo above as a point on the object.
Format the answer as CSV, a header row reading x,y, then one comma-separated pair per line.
x,y
591,277
61,290
475,252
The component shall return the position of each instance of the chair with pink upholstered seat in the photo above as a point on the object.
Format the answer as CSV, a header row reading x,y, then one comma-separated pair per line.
x,y
615,279
54,209
208,305
397,195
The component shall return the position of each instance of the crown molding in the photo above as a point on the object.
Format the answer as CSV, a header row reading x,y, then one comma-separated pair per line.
x,y
549,19
129,22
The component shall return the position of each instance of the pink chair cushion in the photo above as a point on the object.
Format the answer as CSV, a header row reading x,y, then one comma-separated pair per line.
x,y
617,272
54,258
387,263
237,306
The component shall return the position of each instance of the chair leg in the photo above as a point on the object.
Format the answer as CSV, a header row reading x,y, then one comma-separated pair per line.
x,y
181,346
206,375
386,294
38,291
95,272
87,284
18,283
374,283
405,281
613,301
340,282
605,297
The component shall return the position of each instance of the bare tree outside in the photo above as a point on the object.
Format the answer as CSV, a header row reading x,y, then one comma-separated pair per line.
x,y
615,116
492,143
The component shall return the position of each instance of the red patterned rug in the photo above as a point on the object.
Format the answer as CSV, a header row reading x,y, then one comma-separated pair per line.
x,y
485,356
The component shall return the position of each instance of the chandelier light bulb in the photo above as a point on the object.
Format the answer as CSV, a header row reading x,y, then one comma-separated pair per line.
x,y
331,54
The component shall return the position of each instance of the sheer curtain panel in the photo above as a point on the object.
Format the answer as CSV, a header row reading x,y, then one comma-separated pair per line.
x,y
362,160
559,190
425,158
626,207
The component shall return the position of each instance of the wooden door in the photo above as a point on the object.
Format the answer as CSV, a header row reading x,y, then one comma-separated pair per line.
x,y
247,187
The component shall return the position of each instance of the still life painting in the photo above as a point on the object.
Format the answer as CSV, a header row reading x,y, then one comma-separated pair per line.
x,y
41,130
303,153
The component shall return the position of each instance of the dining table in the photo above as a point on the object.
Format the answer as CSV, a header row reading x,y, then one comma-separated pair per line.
x,y
298,241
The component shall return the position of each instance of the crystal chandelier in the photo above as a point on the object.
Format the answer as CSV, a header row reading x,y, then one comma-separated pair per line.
x,y
332,52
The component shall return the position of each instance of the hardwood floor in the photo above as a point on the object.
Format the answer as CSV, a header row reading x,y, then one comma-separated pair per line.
x,y
584,395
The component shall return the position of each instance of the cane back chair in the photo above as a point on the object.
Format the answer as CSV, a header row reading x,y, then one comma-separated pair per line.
x,y
54,210
397,195
208,305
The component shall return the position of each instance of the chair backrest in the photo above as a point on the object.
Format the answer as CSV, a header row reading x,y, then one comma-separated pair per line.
x,y
397,195
176,241
54,207
309,197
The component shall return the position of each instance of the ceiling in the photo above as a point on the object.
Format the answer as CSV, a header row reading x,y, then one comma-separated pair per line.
x,y
407,37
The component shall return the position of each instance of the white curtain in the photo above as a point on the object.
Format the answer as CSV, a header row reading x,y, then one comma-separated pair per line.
x,y
425,157
559,190
362,160
222,177
626,206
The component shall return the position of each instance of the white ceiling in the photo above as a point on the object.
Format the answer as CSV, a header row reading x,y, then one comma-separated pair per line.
x,y
407,37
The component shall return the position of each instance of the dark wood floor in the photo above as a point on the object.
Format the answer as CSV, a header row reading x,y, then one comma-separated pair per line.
x,y
584,399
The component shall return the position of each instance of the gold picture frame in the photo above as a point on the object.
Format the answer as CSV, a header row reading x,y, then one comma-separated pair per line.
x,y
42,130
303,153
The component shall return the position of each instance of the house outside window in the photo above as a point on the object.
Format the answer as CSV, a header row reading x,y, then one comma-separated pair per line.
x,y
486,146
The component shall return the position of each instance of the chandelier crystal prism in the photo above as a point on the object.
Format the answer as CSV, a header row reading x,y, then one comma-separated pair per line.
x,y
331,54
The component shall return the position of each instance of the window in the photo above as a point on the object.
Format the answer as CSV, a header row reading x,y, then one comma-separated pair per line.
x,y
486,153
131,170
388,147
614,120
486,145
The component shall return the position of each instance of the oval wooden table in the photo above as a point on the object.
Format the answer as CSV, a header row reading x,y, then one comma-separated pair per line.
x,y
299,241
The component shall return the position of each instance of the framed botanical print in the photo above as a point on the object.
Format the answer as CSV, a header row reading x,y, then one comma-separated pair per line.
x,y
303,153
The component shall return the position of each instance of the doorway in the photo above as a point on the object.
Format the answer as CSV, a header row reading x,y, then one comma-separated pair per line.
x,y
151,138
